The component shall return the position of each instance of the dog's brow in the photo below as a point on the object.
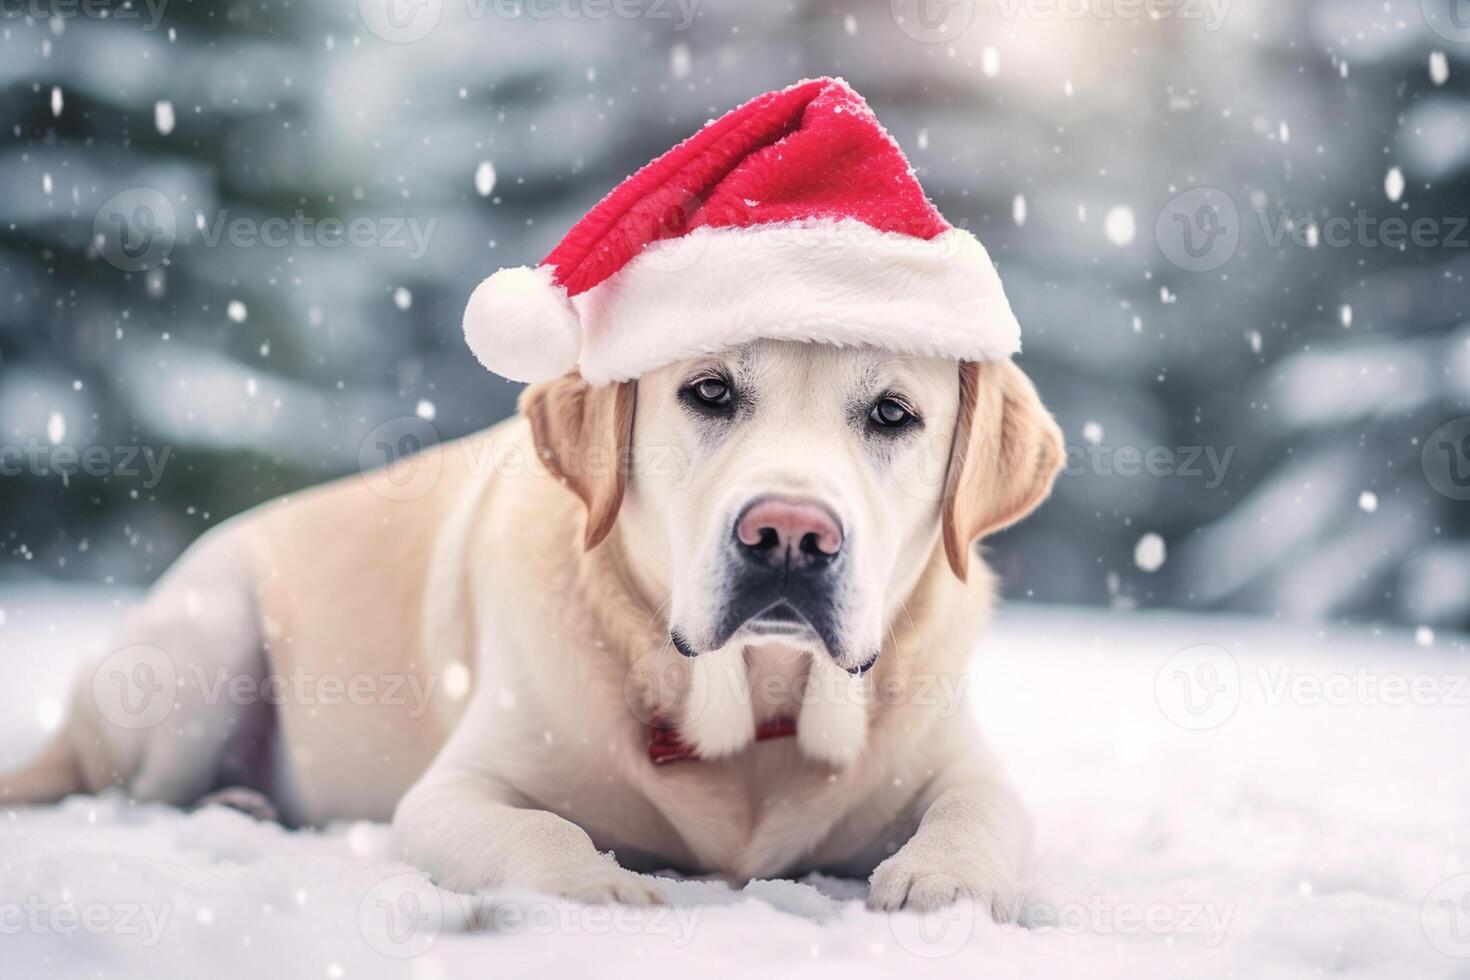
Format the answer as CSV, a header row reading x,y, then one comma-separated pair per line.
x,y
704,366
744,359
874,373
748,368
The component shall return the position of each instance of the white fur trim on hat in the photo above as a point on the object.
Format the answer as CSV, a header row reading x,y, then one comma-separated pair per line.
x,y
835,282
521,325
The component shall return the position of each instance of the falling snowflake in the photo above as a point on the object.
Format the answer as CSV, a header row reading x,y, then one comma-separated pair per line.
x,y
1345,315
425,410
679,62
456,681
1393,184
1368,501
56,428
1148,554
1018,210
990,62
1439,67
1119,225
485,178
49,713
1092,433
236,311
402,298
56,100
163,116
1424,636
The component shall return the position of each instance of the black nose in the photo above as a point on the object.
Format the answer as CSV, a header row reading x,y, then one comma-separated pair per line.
x,y
798,534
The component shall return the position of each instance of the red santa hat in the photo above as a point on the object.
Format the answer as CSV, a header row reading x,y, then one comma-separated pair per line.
x,y
793,217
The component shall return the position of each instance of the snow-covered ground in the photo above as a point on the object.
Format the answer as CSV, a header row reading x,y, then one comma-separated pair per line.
x,y
1213,797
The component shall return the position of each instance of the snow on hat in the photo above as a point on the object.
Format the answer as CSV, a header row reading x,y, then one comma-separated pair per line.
x,y
793,217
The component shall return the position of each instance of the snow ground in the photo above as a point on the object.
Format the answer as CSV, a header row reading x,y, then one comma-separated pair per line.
x,y
1310,817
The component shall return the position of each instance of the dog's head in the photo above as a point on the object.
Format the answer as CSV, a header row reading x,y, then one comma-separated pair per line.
x,y
796,491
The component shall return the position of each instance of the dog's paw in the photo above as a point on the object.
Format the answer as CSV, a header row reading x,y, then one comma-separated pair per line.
x,y
904,883
600,882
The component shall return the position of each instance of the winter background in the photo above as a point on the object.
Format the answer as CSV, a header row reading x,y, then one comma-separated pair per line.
x,y
235,244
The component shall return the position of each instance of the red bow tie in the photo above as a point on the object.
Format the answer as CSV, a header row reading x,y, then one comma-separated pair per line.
x,y
665,745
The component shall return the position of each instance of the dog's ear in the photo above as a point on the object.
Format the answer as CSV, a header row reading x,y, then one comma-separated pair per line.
x,y
1006,454
584,436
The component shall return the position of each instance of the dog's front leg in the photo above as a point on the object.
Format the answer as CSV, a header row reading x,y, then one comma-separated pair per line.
x,y
971,845
459,827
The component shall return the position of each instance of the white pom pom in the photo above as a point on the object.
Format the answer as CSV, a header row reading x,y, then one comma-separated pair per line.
x,y
521,325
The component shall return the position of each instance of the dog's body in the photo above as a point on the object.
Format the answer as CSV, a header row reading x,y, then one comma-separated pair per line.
x,y
507,677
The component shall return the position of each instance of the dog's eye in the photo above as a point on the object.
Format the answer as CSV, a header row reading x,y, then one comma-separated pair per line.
x,y
890,414
712,391
709,393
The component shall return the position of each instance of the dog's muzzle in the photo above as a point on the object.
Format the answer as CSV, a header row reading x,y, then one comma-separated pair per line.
x,y
786,562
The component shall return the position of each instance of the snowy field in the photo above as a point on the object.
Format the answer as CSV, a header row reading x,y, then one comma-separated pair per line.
x,y
1213,797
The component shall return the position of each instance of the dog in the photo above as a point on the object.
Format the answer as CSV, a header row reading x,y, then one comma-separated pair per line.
x,y
615,609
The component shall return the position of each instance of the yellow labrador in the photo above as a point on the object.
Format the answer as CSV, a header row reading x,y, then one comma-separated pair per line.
x,y
591,632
